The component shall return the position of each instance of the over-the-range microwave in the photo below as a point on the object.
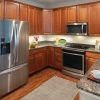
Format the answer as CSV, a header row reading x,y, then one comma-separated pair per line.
x,y
77,28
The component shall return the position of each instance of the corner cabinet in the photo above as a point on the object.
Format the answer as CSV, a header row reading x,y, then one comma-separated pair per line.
x,y
94,19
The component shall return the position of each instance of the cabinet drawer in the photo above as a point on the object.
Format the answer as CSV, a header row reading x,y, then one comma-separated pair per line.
x,y
93,55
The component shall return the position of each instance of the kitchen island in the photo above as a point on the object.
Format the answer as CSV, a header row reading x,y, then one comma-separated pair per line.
x,y
89,90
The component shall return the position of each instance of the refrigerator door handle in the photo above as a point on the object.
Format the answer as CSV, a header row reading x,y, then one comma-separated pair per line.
x,y
16,41
14,48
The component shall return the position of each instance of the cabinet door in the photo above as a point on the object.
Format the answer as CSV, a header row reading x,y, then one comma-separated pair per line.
x,y
82,13
31,19
63,20
11,10
57,21
38,21
94,19
47,21
1,9
89,63
40,60
58,58
31,64
72,14
23,12
51,58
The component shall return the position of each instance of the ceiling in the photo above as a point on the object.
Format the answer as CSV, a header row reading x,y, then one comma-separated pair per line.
x,y
55,3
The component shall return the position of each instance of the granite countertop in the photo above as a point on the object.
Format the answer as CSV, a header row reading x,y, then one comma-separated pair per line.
x,y
46,43
89,85
53,44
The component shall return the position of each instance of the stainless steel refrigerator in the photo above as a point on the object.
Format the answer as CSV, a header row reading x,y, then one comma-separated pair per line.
x,y
13,55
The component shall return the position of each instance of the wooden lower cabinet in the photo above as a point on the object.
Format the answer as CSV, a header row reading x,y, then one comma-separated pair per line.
x,y
51,58
37,60
55,57
58,58
91,58
43,57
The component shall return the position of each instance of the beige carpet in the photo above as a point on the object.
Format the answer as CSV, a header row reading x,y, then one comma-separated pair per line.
x,y
55,88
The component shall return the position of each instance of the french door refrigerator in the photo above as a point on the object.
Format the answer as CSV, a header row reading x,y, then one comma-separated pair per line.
x,y
13,55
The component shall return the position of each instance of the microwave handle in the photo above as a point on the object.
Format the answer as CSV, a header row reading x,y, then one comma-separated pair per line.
x,y
82,28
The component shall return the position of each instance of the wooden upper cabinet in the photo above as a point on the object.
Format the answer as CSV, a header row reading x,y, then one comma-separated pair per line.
x,y
94,19
78,13
35,20
31,19
57,21
1,9
23,12
47,21
82,13
72,14
63,20
11,10
38,21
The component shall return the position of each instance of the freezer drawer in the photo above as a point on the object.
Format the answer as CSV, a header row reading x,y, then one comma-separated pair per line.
x,y
18,77
13,78
4,84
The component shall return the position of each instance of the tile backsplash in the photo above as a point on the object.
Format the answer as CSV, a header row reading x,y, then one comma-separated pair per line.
x,y
71,39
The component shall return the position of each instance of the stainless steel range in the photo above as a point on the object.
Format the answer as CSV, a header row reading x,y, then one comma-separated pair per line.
x,y
74,58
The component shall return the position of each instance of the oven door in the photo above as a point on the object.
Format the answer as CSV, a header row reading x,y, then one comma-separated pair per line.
x,y
73,61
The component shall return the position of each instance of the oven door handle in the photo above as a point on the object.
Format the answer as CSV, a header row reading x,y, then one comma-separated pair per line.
x,y
73,54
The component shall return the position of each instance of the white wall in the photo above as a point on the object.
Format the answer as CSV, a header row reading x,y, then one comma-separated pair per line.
x,y
71,39
69,3
54,4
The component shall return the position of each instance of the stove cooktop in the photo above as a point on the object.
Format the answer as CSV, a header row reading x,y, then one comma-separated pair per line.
x,y
79,46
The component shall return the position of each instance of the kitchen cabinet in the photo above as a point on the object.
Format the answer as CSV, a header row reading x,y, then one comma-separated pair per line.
x,y
91,58
58,58
82,13
37,60
1,9
72,14
38,18
94,19
55,57
47,21
51,56
31,19
78,13
23,12
35,20
57,21
63,20
11,10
